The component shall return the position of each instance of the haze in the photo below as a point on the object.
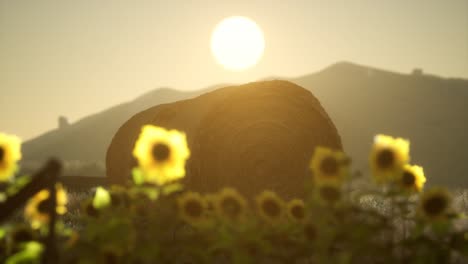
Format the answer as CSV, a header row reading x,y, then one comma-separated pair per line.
x,y
74,58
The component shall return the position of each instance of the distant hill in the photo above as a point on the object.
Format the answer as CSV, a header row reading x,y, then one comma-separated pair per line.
x,y
430,111
87,139
362,101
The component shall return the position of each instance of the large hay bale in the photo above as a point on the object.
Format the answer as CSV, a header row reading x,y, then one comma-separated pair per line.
x,y
252,137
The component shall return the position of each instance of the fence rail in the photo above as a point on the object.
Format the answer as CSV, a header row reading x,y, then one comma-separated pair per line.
x,y
46,178
79,183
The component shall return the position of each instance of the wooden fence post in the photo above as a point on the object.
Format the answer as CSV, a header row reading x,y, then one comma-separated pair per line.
x,y
45,178
51,255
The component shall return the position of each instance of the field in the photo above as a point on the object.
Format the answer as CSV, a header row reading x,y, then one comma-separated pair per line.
x,y
344,216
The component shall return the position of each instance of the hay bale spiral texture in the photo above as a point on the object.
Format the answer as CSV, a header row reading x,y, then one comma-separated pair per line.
x,y
252,137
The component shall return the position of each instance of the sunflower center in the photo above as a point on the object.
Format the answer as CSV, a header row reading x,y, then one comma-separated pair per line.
x,y
385,158
43,206
193,208
435,205
231,207
408,179
2,154
161,152
271,208
330,194
297,212
329,166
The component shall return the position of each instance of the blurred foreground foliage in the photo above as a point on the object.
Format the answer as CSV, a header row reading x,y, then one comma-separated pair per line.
x,y
155,220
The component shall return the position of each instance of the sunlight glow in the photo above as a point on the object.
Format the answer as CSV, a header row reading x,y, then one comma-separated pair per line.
x,y
237,43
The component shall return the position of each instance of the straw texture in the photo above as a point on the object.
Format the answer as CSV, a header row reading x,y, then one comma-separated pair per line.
x,y
251,137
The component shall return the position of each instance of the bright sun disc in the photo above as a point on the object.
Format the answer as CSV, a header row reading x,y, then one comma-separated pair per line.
x,y
237,43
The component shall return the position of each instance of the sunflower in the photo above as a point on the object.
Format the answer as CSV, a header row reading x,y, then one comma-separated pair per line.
x,y
192,208
270,206
36,209
435,203
328,193
10,154
329,166
412,179
230,204
388,158
161,154
296,210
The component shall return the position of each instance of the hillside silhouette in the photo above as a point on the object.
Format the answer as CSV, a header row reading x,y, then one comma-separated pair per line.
x,y
362,101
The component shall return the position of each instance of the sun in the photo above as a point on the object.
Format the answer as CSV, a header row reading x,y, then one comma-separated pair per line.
x,y
237,43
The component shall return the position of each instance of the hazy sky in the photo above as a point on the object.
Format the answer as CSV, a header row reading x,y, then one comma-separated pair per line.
x,y
75,58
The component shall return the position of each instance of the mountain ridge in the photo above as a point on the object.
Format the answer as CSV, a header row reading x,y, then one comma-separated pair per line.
x,y
361,100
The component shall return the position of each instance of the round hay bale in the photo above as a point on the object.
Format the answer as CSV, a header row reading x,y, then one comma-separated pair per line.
x,y
251,137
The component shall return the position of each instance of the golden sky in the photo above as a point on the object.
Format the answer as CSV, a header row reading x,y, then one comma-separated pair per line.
x,y
75,58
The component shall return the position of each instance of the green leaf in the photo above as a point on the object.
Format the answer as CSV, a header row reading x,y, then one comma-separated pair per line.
x,y
19,183
171,188
23,180
101,198
31,253
152,193
441,227
138,176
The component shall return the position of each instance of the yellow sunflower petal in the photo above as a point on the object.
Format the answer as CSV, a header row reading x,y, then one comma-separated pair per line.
x,y
161,154
230,205
329,166
192,207
412,179
435,203
270,206
10,154
296,210
388,157
35,208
